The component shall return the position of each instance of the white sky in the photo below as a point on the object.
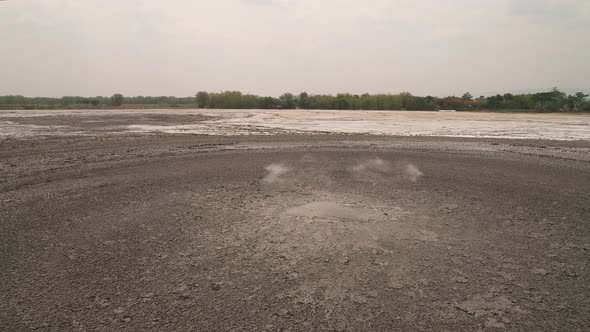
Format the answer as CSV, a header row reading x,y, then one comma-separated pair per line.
x,y
143,47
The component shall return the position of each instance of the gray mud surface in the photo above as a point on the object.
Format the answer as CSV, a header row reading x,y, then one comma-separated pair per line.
x,y
293,233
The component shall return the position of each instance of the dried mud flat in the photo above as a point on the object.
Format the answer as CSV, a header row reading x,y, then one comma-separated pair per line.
x,y
34,123
125,231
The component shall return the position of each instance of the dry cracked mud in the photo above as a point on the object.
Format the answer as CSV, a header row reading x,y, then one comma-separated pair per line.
x,y
293,233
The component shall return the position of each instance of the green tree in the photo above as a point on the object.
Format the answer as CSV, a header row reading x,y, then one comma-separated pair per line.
x,y
575,103
467,96
406,99
117,99
303,100
287,100
266,102
553,101
343,101
202,99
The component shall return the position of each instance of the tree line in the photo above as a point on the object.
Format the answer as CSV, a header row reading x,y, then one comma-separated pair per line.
x,y
551,101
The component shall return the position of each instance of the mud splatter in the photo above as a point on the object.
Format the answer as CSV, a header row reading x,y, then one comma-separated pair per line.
x,y
275,171
413,173
372,165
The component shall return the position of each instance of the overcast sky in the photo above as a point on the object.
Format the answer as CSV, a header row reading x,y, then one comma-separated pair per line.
x,y
150,47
